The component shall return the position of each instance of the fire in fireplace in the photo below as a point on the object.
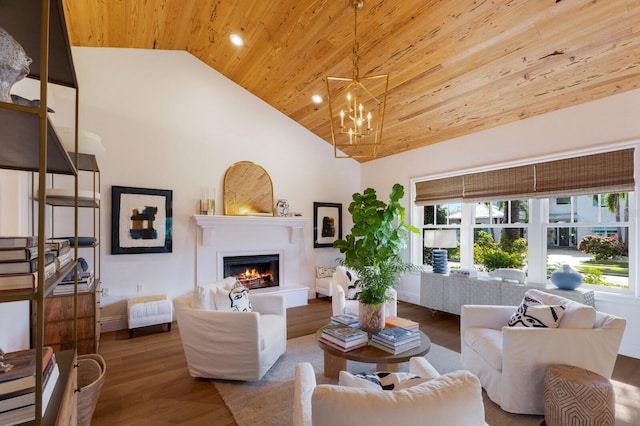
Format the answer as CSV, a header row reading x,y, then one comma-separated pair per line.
x,y
255,271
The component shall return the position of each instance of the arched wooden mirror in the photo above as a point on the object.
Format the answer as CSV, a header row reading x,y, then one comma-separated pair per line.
x,y
248,190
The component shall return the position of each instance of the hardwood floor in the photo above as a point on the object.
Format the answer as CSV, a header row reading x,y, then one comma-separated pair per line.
x,y
148,383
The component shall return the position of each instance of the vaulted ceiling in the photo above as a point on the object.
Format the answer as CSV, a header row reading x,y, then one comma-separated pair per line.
x,y
455,67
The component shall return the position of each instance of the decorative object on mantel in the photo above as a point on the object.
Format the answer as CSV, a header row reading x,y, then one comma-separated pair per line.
x,y
327,224
248,190
372,250
566,277
356,112
14,64
282,208
208,202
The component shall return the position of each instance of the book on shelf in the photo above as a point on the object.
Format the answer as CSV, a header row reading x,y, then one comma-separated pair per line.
x,y
14,282
18,254
24,363
394,349
25,413
397,334
63,259
405,323
345,344
18,242
57,243
67,287
343,332
25,266
352,320
342,348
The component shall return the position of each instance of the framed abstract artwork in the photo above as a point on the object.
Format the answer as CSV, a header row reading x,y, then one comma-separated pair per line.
x,y
141,220
327,224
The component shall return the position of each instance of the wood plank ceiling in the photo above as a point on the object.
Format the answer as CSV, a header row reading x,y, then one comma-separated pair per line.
x,y
455,67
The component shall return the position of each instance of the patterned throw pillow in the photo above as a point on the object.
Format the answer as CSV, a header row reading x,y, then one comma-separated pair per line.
x,y
533,313
234,300
381,380
354,290
324,272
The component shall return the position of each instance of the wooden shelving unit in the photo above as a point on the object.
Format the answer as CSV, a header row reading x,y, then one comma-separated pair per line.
x,y
28,142
58,327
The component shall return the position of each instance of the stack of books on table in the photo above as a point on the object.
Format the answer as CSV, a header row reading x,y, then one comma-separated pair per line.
x,y
352,320
19,263
343,338
18,384
395,340
400,322
85,282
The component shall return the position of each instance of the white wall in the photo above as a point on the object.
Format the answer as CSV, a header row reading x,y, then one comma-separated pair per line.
x,y
595,124
168,121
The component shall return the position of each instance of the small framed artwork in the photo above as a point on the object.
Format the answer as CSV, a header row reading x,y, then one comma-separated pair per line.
x,y
140,220
327,224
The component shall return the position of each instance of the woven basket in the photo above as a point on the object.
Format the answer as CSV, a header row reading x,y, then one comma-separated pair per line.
x,y
91,373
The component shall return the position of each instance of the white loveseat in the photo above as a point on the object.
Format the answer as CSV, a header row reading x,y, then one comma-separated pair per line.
x,y
232,345
453,399
343,278
511,361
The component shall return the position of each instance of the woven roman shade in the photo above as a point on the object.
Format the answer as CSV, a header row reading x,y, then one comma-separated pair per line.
x,y
513,183
610,172
439,190
607,172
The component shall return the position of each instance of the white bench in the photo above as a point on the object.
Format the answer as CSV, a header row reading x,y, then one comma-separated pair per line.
x,y
149,310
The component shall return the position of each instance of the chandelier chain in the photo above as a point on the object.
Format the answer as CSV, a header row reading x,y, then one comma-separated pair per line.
x,y
356,57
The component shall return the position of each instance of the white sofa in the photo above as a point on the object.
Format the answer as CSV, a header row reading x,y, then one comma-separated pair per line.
x,y
511,361
340,304
453,399
232,345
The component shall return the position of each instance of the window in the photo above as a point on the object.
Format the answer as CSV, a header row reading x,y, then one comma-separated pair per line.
x,y
575,210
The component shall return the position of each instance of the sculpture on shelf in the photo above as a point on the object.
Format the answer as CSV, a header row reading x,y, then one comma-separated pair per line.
x,y
14,64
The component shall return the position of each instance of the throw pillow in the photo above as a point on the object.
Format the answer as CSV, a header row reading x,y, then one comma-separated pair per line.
x,y
536,315
353,291
204,294
345,278
576,315
381,380
234,300
324,272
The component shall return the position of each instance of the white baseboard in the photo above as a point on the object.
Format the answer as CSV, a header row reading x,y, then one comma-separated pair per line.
x,y
113,323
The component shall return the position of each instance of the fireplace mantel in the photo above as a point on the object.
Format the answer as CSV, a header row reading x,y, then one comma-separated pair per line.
x,y
207,224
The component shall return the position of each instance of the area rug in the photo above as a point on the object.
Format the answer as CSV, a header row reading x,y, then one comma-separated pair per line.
x,y
269,402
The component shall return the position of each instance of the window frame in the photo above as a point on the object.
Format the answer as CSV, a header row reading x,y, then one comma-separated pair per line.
x,y
538,219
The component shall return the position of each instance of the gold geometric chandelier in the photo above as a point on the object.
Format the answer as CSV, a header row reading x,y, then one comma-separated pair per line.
x,y
357,111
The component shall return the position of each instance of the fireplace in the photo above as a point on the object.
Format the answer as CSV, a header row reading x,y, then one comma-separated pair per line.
x,y
254,271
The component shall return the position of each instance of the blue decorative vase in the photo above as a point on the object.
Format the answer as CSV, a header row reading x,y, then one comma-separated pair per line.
x,y
566,277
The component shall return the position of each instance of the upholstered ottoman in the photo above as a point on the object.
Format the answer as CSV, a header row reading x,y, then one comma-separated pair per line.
x,y
149,310
576,396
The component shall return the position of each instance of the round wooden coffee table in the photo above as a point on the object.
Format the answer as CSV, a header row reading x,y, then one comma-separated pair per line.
x,y
336,360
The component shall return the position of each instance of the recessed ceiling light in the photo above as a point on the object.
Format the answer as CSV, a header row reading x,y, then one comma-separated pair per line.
x,y
316,98
236,39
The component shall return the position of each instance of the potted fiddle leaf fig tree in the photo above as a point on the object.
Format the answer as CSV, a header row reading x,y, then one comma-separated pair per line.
x,y
372,250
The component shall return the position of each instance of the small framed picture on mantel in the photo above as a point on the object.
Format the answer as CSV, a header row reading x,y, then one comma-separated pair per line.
x,y
327,224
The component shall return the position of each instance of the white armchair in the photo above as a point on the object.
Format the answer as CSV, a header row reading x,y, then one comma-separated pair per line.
x,y
233,345
449,399
341,304
511,361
